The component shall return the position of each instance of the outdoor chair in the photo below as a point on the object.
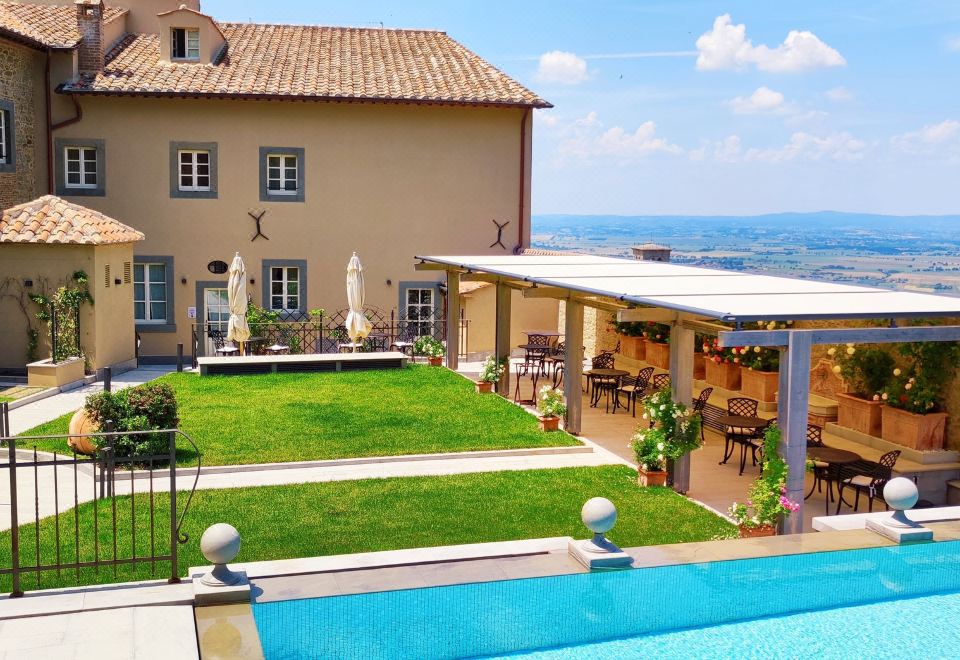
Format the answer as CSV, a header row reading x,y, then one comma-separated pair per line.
x,y
867,477
221,347
603,361
635,388
538,347
661,381
735,436
404,340
821,470
529,366
699,404
553,362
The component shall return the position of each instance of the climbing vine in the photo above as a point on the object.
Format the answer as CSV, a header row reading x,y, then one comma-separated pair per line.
x,y
64,306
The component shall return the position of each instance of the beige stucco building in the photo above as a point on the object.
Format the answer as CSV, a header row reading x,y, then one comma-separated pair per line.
x,y
292,145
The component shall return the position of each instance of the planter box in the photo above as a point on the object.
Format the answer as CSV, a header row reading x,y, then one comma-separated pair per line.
x,y
924,432
652,478
759,385
549,423
658,355
699,367
633,347
753,532
54,374
859,414
723,375
483,387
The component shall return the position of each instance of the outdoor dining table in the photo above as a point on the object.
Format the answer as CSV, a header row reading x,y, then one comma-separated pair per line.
x,y
835,458
603,373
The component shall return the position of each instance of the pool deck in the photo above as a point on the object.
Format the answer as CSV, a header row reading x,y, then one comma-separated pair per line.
x,y
158,620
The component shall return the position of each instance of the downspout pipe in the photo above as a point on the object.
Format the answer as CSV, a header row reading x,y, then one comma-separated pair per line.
x,y
523,180
46,103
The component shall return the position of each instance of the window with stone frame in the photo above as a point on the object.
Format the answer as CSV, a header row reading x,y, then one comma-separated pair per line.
x,y
194,170
80,167
150,292
285,288
5,137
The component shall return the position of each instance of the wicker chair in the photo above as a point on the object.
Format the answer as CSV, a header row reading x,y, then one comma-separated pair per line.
x,y
635,388
867,477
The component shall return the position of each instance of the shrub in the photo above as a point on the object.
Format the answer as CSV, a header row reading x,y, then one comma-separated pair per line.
x,y
921,385
550,402
674,430
658,333
867,369
146,407
492,370
428,346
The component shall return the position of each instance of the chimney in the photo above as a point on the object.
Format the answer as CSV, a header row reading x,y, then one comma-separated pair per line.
x,y
90,27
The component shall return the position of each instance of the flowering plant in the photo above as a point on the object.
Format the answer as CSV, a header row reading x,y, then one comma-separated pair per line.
x,y
658,333
760,358
713,351
768,499
492,370
674,430
921,385
429,346
550,402
866,369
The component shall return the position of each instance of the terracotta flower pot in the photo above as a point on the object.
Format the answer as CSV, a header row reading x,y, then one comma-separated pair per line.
x,y
924,432
859,414
759,385
80,426
633,347
722,374
760,530
651,478
435,361
551,423
699,367
658,355
484,387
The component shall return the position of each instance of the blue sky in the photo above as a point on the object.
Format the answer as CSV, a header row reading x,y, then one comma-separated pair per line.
x,y
690,107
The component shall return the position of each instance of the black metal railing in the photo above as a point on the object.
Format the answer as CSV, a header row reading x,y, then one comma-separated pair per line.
x,y
62,535
328,334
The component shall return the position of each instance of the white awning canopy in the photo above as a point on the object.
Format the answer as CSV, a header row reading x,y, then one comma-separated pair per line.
x,y
720,294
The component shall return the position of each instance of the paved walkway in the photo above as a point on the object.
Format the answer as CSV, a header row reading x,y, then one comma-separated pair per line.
x,y
32,414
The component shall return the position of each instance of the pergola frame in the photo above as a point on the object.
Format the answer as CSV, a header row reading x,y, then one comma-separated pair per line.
x,y
684,320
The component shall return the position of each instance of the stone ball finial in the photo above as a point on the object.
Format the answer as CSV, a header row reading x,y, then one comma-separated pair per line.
x,y
220,543
901,493
599,515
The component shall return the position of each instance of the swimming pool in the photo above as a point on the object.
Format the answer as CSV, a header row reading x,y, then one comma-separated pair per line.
x,y
831,604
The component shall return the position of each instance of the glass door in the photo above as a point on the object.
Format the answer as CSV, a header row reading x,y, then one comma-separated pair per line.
x,y
216,316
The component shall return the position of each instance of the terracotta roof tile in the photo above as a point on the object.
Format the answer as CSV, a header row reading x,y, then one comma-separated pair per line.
x,y
49,219
53,26
314,62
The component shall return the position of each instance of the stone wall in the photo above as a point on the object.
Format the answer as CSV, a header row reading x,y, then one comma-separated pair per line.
x,y
20,85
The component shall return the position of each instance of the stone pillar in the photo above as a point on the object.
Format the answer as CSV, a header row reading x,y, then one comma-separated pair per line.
x,y
453,319
681,382
573,364
90,26
502,334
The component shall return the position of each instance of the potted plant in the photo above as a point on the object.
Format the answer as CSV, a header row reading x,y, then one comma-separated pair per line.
x,y
914,412
722,366
551,407
670,430
631,333
866,370
657,339
431,348
490,374
759,372
768,502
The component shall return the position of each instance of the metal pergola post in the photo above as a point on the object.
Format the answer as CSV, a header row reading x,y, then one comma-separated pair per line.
x,y
573,365
792,413
681,383
502,334
453,319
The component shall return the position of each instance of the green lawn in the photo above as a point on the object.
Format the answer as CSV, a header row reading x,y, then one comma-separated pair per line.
x,y
296,417
279,522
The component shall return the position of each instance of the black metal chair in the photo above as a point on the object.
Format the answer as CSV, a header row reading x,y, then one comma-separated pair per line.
x,y
635,388
554,360
531,365
699,404
735,436
221,347
538,347
867,477
661,381
821,470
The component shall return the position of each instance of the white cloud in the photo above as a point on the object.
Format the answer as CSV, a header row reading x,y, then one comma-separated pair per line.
x,y
763,99
839,95
931,139
587,139
558,66
805,146
953,44
726,46
728,150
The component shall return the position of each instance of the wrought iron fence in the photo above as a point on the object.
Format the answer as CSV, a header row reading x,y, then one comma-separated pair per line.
x,y
328,334
91,513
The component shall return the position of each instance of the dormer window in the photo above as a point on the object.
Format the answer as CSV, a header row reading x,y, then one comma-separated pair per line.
x,y
185,44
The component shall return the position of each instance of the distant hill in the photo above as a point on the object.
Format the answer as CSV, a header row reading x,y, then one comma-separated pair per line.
x,y
820,219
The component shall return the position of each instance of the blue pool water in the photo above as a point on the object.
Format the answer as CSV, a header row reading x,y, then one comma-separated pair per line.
x,y
879,602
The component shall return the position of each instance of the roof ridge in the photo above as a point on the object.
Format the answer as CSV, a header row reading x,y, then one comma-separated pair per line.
x,y
321,26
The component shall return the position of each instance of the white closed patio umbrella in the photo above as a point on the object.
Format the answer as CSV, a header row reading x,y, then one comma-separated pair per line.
x,y
237,328
358,327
